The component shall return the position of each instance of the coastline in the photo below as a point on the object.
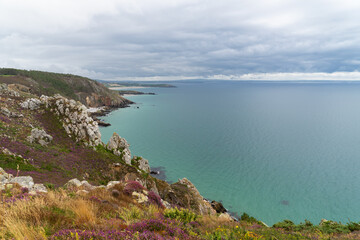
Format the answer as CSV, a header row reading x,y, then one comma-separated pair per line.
x,y
125,88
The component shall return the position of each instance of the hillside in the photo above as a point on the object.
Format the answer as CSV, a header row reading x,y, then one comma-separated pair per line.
x,y
58,180
87,91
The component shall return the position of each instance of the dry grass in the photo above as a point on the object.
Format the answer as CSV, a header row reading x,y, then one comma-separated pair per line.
x,y
42,215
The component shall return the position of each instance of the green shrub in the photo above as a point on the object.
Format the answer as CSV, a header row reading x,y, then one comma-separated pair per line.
x,y
286,224
183,215
353,226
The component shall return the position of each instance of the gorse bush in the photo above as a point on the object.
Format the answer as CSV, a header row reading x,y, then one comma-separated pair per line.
x,y
183,215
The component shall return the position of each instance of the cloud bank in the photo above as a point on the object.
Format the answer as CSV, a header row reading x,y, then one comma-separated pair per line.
x,y
166,40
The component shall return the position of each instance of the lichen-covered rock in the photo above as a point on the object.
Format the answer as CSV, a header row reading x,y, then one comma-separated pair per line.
x,y
140,197
39,136
87,186
184,194
31,103
73,183
142,164
75,119
226,217
8,113
4,177
39,188
24,181
111,184
4,90
119,147
7,181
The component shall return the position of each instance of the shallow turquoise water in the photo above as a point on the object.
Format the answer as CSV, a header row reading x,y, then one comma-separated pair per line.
x,y
276,151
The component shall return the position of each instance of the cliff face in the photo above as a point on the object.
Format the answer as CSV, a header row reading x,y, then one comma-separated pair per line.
x,y
85,90
53,139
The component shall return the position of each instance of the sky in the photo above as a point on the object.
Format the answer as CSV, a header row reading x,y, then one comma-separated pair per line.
x,y
184,39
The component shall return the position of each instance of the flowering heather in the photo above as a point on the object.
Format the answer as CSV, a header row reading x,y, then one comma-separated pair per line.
x,y
106,235
133,186
165,226
23,196
155,199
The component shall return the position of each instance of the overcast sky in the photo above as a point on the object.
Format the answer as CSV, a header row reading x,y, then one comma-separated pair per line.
x,y
183,39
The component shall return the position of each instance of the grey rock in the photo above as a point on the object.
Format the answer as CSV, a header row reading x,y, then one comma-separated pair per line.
x,y
87,186
144,165
4,177
39,136
40,188
82,192
5,111
112,184
24,181
75,119
31,103
73,183
4,90
8,113
119,147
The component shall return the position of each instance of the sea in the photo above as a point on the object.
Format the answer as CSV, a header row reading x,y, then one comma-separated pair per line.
x,y
275,150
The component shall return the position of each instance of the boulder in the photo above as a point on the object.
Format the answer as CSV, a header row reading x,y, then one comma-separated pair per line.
x,y
112,184
39,136
140,198
24,181
143,164
226,217
4,177
87,186
8,113
119,147
4,90
219,208
39,188
197,201
73,183
31,104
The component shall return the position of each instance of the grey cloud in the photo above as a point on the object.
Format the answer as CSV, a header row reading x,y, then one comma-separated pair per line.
x,y
129,39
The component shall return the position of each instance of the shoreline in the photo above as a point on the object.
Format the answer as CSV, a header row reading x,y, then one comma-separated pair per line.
x,y
125,88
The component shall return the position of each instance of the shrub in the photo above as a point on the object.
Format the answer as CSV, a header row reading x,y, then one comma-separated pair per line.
x,y
286,224
155,199
133,186
183,215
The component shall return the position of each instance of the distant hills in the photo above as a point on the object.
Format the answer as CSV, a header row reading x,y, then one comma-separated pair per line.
x,y
89,92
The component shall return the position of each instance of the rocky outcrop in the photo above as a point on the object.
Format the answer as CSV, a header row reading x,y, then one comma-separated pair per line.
x,y
75,119
39,136
219,208
7,181
141,163
119,147
9,114
184,194
31,103
4,90
200,203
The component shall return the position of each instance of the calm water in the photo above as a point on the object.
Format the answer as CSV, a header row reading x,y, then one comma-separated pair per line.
x,y
275,151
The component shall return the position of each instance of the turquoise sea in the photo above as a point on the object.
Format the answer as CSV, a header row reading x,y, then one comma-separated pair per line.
x,y
273,150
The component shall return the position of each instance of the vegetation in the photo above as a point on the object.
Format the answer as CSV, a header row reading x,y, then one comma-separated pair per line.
x,y
64,214
85,90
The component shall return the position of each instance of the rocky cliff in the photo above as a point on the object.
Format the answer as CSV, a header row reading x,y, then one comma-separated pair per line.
x,y
89,92
55,136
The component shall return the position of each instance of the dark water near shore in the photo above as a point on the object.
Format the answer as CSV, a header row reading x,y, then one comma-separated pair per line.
x,y
274,150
